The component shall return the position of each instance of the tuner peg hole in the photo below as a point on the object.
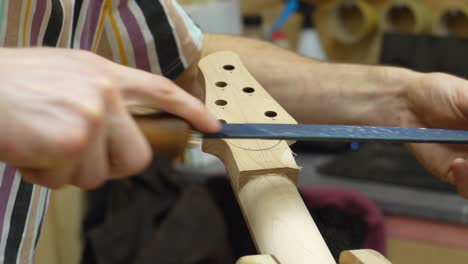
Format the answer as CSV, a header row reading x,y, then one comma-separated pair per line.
x,y
248,90
221,102
228,67
221,84
271,114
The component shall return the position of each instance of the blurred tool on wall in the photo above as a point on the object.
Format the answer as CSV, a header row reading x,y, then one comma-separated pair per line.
x,y
275,34
280,22
253,26
309,40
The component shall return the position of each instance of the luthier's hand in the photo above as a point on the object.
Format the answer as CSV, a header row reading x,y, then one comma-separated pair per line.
x,y
440,101
64,120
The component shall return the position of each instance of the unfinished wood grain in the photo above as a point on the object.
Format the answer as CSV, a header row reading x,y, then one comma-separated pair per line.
x,y
280,222
236,97
363,256
263,173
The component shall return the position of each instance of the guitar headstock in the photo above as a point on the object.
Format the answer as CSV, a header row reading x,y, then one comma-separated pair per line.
x,y
234,96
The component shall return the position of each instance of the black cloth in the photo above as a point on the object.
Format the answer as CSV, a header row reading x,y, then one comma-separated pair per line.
x,y
164,217
157,217
425,53
384,163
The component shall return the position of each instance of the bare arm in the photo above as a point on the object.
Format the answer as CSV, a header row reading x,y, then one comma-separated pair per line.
x,y
319,92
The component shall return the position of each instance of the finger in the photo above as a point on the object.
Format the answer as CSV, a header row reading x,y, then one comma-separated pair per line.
x,y
459,169
52,178
93,168
144,89
439,158
182,104
36,145
40,137
129,152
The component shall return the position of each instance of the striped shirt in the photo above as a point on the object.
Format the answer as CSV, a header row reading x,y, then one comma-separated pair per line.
x,y
153,35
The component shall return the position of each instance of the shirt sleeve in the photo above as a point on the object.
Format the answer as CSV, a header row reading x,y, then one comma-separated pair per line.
x,y
155,36
22,209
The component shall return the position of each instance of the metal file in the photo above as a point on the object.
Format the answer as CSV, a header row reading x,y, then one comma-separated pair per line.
x,y
314,132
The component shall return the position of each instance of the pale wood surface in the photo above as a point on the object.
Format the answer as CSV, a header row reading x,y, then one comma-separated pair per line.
x,y
259,259
263,172
231,103
280,222
363,256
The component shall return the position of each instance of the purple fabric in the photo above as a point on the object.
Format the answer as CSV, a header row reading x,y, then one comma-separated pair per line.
x,y
136,37
5,190
354,204
91,24
37,21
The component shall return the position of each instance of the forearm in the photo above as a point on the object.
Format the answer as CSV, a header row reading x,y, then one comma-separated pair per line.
x,y
319,92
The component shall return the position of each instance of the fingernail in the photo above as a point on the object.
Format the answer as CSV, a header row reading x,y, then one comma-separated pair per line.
x,y
460,173
215,122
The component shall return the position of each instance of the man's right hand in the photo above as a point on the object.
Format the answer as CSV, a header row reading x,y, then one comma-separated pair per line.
x,y
64,117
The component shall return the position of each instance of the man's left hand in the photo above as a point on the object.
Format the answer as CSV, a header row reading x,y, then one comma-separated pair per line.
x,y
440,101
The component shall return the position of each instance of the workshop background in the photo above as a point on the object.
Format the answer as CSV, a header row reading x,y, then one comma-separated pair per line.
x,y
407,214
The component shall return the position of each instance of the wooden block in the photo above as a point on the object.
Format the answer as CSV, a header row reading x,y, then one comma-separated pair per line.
x,y
363,256
260,259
